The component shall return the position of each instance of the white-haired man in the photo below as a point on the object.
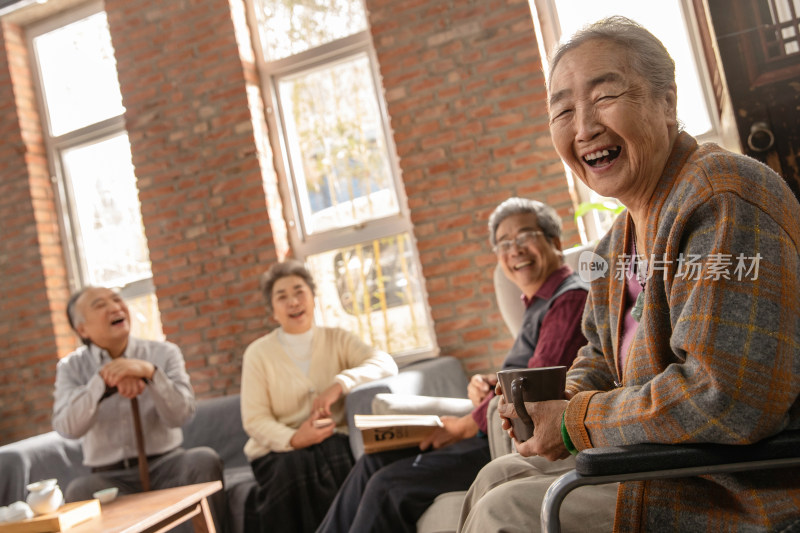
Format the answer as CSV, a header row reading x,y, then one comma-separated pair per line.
x,y
94,385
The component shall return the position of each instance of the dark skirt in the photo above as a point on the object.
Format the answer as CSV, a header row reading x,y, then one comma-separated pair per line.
x,y
296,488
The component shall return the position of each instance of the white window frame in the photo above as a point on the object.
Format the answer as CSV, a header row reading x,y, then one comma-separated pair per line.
x,y
303,243
55,147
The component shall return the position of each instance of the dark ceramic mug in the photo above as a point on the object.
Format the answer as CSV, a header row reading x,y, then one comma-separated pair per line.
x,y
530,385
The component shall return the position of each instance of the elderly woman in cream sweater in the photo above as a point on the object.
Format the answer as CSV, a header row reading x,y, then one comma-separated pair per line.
x,y
293,383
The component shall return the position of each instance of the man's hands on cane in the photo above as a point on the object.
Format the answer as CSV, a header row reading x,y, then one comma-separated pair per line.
x,y
127,375
130,387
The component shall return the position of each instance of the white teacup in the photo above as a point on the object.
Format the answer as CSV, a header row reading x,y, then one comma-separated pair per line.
x,y
106,495
15,512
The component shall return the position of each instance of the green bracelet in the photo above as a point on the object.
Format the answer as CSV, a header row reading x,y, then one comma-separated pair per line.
x,y
565,435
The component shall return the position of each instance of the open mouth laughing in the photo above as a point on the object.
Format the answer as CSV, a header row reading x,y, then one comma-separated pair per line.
x,y
523,264
602,157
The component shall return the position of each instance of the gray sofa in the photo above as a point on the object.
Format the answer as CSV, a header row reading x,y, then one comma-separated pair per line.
x,y
218,424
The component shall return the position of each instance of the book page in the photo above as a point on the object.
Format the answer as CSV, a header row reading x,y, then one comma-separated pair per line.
x,y
384,421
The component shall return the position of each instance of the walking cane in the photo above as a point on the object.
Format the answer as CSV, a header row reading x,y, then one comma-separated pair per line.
x,y
144,472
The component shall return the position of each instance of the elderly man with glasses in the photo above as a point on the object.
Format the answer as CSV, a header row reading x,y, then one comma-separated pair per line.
x,y
389,491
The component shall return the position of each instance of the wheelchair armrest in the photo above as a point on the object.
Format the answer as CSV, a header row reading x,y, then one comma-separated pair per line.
x,y
597,466
620,460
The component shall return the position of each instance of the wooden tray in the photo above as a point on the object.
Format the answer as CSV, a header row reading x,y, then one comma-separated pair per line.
x,y
62,519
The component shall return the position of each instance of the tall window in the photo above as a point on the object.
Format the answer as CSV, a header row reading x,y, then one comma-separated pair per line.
x,y
669,20
90,157
337,163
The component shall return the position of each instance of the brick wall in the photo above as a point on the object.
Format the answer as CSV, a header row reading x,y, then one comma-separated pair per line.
x,y
466,97
465,94
32,273
183,83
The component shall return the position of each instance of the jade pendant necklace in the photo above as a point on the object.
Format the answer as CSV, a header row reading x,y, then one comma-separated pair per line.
x,y
640,271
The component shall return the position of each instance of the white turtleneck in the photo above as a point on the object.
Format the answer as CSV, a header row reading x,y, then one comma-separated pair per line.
x,y
298,347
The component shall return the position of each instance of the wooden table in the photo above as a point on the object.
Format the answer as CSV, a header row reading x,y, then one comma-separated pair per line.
x,y
155,511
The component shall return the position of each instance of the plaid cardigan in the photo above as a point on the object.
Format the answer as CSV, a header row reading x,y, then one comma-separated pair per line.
x,y
716,356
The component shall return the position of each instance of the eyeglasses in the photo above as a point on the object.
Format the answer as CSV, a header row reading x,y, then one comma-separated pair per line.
x,y
523,238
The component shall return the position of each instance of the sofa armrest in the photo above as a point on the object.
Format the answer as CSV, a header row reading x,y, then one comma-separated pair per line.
x,y
15,476
41,457
412,404
499,441
438,376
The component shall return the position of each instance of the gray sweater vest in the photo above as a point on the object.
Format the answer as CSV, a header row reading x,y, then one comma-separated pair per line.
x,y
528,336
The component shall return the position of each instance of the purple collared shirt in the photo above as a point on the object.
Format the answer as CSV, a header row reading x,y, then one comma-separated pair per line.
x,y
560,334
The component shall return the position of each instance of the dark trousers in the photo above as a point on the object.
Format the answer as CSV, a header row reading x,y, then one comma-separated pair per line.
x,y
296,487
389,491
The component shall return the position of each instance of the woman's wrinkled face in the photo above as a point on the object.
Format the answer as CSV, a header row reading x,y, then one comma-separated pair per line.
x,y
607,125
293,304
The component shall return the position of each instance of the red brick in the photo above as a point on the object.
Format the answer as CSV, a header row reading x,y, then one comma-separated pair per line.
x,y
465,96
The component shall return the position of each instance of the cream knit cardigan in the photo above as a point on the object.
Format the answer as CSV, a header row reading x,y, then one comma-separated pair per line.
x,y
276,396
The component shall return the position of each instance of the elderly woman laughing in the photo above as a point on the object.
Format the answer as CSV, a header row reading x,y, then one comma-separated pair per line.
x,y
694,332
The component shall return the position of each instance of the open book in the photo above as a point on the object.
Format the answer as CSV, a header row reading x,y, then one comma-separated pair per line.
x,y
391,432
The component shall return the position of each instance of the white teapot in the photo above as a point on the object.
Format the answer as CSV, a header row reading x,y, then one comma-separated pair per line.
x,y
45,496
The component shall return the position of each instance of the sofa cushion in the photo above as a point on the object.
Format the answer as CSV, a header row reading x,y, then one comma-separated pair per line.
x,y
412,404
218,424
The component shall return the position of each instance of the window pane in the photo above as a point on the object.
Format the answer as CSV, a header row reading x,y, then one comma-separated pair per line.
x,y
107,211
665,21
145,317
289,27
79,74
339,159
374,290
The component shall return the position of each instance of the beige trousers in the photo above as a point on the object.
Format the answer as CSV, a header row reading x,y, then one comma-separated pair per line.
x,y
508,492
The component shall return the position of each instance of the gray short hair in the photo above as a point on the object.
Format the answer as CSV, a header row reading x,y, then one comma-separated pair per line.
x,y
546,216
74,315
646,54
290,267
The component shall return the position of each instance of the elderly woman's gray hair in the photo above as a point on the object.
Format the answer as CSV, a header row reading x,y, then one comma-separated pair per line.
x,y
290,267
546,216
646,54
